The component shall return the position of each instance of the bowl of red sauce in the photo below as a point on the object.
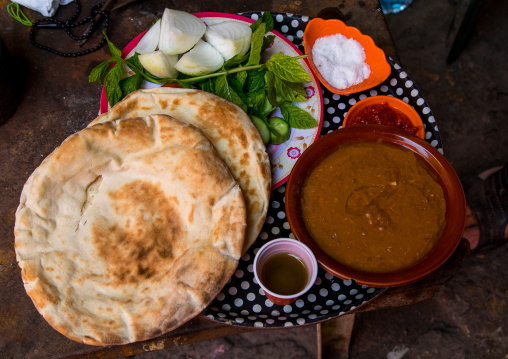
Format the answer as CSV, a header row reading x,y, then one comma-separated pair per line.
x,y
376,204
388,111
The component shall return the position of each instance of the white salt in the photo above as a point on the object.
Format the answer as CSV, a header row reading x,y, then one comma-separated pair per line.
x,y
341,61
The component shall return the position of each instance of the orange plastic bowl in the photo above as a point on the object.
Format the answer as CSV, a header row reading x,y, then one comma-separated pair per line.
x,y
435,162
393,102
375,57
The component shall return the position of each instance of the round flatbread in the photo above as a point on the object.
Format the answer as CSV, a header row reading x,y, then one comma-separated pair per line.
x,y
228,128
128,229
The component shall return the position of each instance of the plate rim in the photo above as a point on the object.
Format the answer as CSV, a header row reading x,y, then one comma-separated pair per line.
x,y
243,17
382,290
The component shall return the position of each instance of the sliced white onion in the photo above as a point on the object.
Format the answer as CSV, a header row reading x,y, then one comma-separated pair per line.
x,y
230,38
150,39
201,60
180,31
159,64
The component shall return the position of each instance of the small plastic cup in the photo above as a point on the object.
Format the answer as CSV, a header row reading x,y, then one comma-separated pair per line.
x,y
291,246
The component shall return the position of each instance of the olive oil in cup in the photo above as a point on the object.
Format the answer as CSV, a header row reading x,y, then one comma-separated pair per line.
x,y
286,269
284,273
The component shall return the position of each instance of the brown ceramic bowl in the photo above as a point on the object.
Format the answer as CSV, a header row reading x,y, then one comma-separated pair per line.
x,y
435,162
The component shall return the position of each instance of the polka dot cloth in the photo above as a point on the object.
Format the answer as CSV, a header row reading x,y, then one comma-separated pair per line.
x,y
242,301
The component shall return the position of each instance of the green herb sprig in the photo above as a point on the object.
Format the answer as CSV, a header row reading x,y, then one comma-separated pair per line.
x,y
255,87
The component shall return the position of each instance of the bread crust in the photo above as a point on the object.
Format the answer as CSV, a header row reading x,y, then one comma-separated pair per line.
x,y
128,229
228,128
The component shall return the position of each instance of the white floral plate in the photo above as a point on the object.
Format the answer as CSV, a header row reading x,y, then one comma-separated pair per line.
x,y
283,156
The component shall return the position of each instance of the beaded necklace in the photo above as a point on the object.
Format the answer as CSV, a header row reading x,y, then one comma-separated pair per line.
x,y
50,23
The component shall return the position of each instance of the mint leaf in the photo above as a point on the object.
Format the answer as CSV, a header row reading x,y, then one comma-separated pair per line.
x,y
255,80
115,51
267,19
234,61
254,26
296,117
270,88
257,100
289,91
238,88
256,45
130,84
242,77
224,90
134,60
207,86
112,84
98,72
267,108
267,41
287,68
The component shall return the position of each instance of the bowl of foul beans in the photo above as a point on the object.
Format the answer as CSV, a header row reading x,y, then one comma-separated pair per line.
x,y
376,204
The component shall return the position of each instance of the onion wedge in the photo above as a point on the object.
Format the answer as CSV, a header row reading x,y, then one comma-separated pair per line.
x,y
159,64
150,39
230,38
201,60
148,42
180,31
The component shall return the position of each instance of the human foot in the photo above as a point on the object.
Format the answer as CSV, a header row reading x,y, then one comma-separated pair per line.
x,y
487,211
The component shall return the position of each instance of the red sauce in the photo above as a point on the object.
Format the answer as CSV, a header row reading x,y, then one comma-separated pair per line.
x,y
382,114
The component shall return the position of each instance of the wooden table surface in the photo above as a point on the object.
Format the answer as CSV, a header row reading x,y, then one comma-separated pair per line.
x,y
57,100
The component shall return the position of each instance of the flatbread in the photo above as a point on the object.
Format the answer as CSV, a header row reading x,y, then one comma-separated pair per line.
x,y
228,128
128,230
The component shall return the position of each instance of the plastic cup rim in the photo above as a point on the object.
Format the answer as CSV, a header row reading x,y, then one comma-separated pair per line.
x,y
311,280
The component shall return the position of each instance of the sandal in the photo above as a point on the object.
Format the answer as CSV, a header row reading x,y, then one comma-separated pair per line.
x,y
488,199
